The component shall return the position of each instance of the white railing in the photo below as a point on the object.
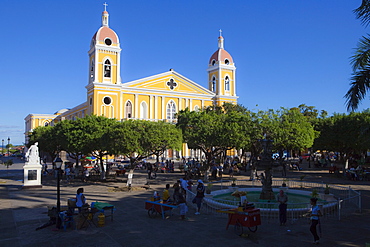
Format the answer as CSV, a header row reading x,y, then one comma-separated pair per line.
x,y
343,202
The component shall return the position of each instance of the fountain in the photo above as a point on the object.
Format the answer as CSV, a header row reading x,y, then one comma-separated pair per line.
x,y
266,162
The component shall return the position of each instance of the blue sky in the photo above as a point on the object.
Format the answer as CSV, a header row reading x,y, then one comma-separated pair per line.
x,y
287,52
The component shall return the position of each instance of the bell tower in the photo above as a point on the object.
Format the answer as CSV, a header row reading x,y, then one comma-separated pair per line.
x,y
221,75
104,70
104,54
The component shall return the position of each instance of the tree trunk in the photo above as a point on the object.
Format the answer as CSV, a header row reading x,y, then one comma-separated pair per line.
x,y
102,174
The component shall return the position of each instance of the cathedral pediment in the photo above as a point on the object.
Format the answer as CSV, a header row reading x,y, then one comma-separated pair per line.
x,y
168,82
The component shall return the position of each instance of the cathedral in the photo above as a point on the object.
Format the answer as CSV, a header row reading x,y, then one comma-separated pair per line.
x,y
155,98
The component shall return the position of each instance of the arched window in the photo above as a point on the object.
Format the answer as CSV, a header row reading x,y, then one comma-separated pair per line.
x,y
171,111
128,109
92,69
227,83
143,110
107,68
213,85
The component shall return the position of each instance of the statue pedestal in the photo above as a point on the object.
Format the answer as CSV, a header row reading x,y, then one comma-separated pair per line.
x,y
32,175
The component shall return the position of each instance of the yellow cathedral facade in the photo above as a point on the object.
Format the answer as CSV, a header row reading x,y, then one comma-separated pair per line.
x,y
156,98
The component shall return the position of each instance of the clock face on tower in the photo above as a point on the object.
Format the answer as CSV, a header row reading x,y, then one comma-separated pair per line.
x,y
108,41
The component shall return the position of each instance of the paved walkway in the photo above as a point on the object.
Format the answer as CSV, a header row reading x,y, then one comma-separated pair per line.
x,y
23,210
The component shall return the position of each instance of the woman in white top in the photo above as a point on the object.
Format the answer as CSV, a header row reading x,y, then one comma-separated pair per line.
x,y
80,199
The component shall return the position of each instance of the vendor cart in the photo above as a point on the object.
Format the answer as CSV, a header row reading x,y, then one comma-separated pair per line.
x,y
158,207
250,218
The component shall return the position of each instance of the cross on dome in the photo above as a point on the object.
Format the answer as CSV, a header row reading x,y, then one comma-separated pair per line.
x,y
105,6
220,32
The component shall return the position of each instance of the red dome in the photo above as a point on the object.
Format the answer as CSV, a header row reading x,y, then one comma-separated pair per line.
x,y
106,32
220,55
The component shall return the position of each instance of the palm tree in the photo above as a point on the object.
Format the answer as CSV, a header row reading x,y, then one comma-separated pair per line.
x,y
360,81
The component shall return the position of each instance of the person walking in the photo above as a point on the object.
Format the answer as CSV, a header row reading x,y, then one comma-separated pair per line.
x,y
68,174
199,196
315,220
282,199
149,169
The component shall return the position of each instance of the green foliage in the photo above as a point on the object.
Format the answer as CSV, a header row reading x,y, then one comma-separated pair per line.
x,y
8,146
100,136
345,133
314,193
292,131
145,138
363,12
8,163
360,63
71,136
215,130
47,138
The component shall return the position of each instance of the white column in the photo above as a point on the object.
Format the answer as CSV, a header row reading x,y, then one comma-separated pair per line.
x,y
136,106
151,108
118,67
219,91
156,107
163,108
234,84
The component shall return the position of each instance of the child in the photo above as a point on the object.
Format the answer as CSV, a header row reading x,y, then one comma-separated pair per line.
x,y
183,206
166,194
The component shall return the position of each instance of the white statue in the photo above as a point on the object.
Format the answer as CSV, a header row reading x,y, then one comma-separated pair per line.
x,y
32,154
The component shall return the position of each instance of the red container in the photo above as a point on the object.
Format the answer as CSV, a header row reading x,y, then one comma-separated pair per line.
x,y
248,218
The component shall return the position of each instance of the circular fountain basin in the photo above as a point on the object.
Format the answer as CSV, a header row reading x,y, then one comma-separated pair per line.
x,y
299,200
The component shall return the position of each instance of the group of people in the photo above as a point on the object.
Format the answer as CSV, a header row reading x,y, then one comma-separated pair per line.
x,y
192,168
180,189
314,214
164,167
357,173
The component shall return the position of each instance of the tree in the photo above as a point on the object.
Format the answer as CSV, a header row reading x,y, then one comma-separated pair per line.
x,y
211,130
360,81
293,131
139,139
349,134
9,146
98,139
161,136
71,137
47,138
289,129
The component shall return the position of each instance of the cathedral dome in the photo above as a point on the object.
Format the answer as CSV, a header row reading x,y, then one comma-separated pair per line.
x,y
105,32
221,56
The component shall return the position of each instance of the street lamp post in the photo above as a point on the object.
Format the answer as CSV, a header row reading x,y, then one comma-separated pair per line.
x,y
8,145
2,147
58,164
